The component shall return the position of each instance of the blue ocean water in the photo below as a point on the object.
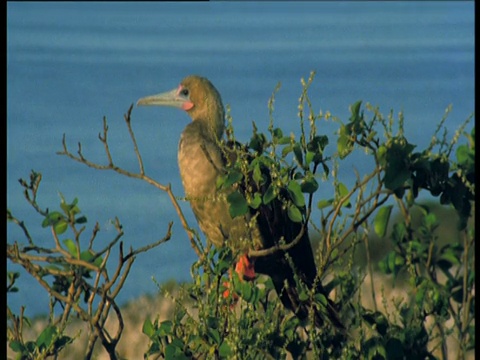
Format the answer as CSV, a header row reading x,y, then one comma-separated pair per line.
x,y
70,64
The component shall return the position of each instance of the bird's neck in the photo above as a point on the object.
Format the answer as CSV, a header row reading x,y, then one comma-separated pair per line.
x,y
200,131
199,158
209,118
212,129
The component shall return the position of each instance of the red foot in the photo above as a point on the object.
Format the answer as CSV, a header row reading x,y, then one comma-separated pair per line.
x,y
245,269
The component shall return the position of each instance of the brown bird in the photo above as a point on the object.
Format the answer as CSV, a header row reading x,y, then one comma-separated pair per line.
x,y
201,160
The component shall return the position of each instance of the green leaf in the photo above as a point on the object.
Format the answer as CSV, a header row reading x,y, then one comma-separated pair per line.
x,y
232,177
382,155
63,205
283,140
309,156
165,328
397,170
69,209
295,191
464,156
317,145
89,255
213,322
257,142
380,222
174,351
438,176
309,185
342,192
374,349
46,337
148,328
220,181
31,346
392,263
344,143
225,351
430,221
180,314
257,173
450,256
225,259
52,218
62,341
294,214
324,203
214,334
298,154
286,150
269,194
60,227
399,232
170,352
256,201
81,220
395,176
325,169
355,111
378,319
277,133
303,296
321,299
246,291
13,275
86,255
238,204
16,346
71,247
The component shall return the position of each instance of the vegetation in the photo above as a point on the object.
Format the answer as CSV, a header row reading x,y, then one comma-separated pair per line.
x,y
436,275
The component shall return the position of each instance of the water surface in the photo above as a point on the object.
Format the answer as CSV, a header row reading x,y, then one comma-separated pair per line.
x,y
70,64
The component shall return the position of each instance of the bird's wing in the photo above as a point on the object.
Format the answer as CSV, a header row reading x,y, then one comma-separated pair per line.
x,y
295,268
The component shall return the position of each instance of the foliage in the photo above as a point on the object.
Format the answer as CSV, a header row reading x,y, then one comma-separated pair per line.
x,y
225,326
232,318
75,275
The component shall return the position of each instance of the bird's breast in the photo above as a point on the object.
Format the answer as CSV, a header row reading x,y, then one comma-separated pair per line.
x,y
200,164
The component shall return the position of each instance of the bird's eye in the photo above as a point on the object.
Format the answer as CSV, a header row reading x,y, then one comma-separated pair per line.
x,y
184,92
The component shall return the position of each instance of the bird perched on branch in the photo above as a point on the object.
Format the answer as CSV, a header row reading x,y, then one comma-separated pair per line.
x,y
202,160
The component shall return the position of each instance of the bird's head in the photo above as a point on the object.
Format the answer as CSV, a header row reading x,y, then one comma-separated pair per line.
x,y
198,97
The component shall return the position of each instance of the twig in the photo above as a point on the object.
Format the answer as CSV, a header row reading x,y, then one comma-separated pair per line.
x,y
155,244
132,136
278,247
140,175
22,226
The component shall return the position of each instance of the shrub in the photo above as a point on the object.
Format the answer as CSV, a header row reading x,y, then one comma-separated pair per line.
x,y
437,275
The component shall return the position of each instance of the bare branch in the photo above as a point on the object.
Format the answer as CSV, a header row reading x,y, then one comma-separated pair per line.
x,y
140,175
22,226
278,247
155,244
134,141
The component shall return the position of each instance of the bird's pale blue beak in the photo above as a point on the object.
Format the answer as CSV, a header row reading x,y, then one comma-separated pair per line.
x,y
169,98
